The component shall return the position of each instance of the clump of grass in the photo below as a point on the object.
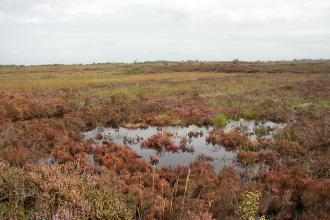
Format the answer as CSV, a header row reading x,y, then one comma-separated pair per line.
x,y
219,120
135,70
249,114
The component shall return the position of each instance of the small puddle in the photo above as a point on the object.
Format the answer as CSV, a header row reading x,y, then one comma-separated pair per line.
x,y
220,156
253,128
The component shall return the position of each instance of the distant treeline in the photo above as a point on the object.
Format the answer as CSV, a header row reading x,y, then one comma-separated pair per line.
x,y
171,62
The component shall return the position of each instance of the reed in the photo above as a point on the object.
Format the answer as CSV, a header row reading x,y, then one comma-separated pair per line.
x,y
184,194
141,197
174,192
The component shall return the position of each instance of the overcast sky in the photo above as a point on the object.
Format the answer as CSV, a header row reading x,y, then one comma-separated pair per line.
x,y
86,31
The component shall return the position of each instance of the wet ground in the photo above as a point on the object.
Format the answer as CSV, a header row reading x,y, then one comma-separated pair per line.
x,y
196,137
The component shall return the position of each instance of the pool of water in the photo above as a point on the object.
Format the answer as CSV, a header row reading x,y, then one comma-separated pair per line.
x,y
221,157
250,127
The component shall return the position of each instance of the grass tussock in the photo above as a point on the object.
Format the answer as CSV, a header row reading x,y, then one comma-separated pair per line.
x,y
219,121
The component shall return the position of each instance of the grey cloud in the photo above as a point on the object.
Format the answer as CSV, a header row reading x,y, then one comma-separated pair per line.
x,y
78,31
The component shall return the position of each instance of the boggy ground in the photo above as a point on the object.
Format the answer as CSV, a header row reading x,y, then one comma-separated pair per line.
x,y
46,171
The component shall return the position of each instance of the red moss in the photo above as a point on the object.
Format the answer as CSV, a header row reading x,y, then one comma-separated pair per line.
x,y
230,140
160,141
20,156
246,158
288,149
25,106
291,190
120,158
225,197
193,112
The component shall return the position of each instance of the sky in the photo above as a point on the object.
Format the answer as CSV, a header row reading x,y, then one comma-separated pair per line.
x,y
87,31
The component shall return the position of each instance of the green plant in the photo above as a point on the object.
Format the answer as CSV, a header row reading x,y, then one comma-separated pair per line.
x,y
135,70
249,205
219,120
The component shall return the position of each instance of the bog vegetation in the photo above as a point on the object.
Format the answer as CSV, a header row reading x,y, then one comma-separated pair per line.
x,y
49,171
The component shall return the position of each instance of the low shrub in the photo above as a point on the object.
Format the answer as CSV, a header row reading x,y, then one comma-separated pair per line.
x,y
41,192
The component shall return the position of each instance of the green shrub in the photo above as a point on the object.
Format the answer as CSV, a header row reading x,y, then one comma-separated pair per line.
x,y
249,206
219,121
135,70
236,61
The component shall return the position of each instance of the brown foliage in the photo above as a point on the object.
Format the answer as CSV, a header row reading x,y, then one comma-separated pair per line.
x,y
231,140
160,141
